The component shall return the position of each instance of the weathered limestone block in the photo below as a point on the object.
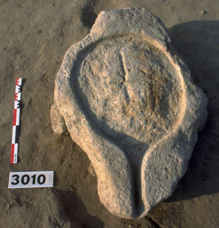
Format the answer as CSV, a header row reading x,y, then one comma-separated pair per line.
x,y
128,101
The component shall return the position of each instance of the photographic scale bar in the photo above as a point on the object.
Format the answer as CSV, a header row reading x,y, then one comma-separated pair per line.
x,y
16,122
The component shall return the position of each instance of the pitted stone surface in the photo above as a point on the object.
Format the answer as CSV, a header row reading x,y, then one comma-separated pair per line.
x,y
127,100
127,77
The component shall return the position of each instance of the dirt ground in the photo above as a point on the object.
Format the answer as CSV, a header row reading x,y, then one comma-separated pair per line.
x,y
34,36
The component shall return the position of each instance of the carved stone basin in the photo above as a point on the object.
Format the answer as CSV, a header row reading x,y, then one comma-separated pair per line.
x,y
127,100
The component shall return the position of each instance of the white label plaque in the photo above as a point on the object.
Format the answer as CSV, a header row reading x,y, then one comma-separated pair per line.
x,y
36,179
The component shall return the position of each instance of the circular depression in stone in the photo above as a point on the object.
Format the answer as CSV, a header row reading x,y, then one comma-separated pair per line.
x,y
129,90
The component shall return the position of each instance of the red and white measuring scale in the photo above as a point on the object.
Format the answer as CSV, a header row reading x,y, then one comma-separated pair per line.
x,y
30,179
16,121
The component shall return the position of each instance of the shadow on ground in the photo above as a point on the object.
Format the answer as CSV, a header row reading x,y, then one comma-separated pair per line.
x,y
74,210
198,43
